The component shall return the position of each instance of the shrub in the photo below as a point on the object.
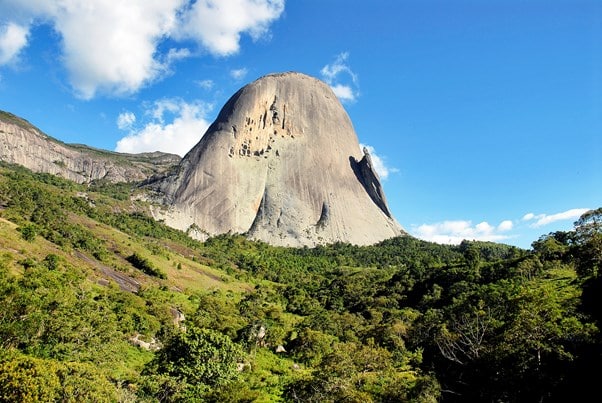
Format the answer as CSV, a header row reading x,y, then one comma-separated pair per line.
x,y
145,265
28,232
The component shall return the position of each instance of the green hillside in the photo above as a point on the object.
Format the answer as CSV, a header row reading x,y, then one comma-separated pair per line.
x,y
102,303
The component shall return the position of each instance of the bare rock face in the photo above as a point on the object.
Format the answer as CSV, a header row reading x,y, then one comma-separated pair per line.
x,y
21,143
282,164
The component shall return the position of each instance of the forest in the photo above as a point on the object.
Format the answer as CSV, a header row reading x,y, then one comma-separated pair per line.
x,y
101,303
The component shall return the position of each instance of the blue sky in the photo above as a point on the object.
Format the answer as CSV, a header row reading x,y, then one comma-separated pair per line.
x,y
484,116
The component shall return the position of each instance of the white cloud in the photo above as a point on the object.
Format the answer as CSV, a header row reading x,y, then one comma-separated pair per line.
x,y
13,38
205,84
113,47
218,25
174,55
175,127
163,107
341,78
528,216
343,92
484,228
125,120
505,225
379,163
454,232
238,74
332,71
107,46
545,219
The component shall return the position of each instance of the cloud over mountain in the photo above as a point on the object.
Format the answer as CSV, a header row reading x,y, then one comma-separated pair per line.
x,y
339,76
172,126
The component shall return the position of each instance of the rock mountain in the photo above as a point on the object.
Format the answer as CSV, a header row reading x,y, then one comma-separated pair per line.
x,y
282,164
22,143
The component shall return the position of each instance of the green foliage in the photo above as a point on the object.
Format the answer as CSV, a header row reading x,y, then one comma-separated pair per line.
x,y
145,265
118,191
218,311
51,261
310,346
198,358
360,373
28,232
29,379
404,320
588,243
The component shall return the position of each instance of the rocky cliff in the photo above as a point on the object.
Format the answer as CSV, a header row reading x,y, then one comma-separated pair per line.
x,y
22,143
282,164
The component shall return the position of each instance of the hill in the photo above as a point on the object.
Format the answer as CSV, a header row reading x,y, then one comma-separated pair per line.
x,y
24,144
103,303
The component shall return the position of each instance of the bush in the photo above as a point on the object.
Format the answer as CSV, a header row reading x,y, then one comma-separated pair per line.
x,y
29,379
145,265
28,232
199,359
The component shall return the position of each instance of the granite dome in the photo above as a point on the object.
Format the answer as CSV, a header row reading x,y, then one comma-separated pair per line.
x,y
282,164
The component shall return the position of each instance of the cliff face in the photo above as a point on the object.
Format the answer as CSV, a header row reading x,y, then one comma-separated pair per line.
x,y
23,144
281,163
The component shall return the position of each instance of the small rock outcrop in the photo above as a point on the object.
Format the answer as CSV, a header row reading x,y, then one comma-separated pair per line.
x,y
368,177
282,164
23,144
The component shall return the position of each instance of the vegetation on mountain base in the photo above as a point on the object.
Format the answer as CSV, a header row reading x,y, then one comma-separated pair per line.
x,y
404,320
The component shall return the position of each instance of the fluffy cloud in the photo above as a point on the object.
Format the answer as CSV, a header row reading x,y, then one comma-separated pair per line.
x,y
343,92
454,232
341,78
217,25
528,216
505,225
238,74
13,38
544,219
112,47
174,126
125,120
378,162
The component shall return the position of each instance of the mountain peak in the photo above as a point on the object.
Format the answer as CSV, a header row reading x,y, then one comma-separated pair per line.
x,y
282,164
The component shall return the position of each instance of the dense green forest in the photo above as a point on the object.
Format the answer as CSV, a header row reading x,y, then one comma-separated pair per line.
x,y
102,303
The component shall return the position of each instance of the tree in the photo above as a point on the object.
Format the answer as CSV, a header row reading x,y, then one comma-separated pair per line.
x,y
552,246
29,379
199,358
354,372
472,255
465,340
588,237
28,232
